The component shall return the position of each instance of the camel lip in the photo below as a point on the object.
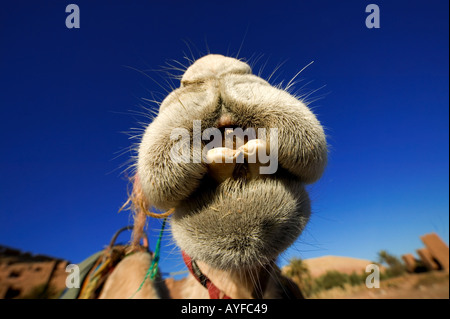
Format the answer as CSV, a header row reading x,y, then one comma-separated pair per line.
x,y
229,214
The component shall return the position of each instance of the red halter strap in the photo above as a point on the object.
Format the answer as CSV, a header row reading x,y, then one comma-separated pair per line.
x,y
214,292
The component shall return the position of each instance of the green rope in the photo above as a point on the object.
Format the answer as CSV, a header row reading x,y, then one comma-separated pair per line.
x,y
153,269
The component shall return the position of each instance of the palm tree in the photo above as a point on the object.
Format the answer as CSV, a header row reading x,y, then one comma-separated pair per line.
x,y
395,266
299,272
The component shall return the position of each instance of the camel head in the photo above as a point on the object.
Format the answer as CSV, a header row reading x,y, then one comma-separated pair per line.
x,y
231,154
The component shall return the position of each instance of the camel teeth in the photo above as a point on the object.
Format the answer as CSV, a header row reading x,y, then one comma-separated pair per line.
x,y
221,162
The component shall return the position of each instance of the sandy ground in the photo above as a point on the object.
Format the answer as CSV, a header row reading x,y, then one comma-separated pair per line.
x,y
432,285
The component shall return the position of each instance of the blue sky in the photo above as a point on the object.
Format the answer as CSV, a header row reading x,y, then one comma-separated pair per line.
x,y
68,95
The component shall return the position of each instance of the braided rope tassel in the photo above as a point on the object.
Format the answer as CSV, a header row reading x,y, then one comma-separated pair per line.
x,y
153,269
